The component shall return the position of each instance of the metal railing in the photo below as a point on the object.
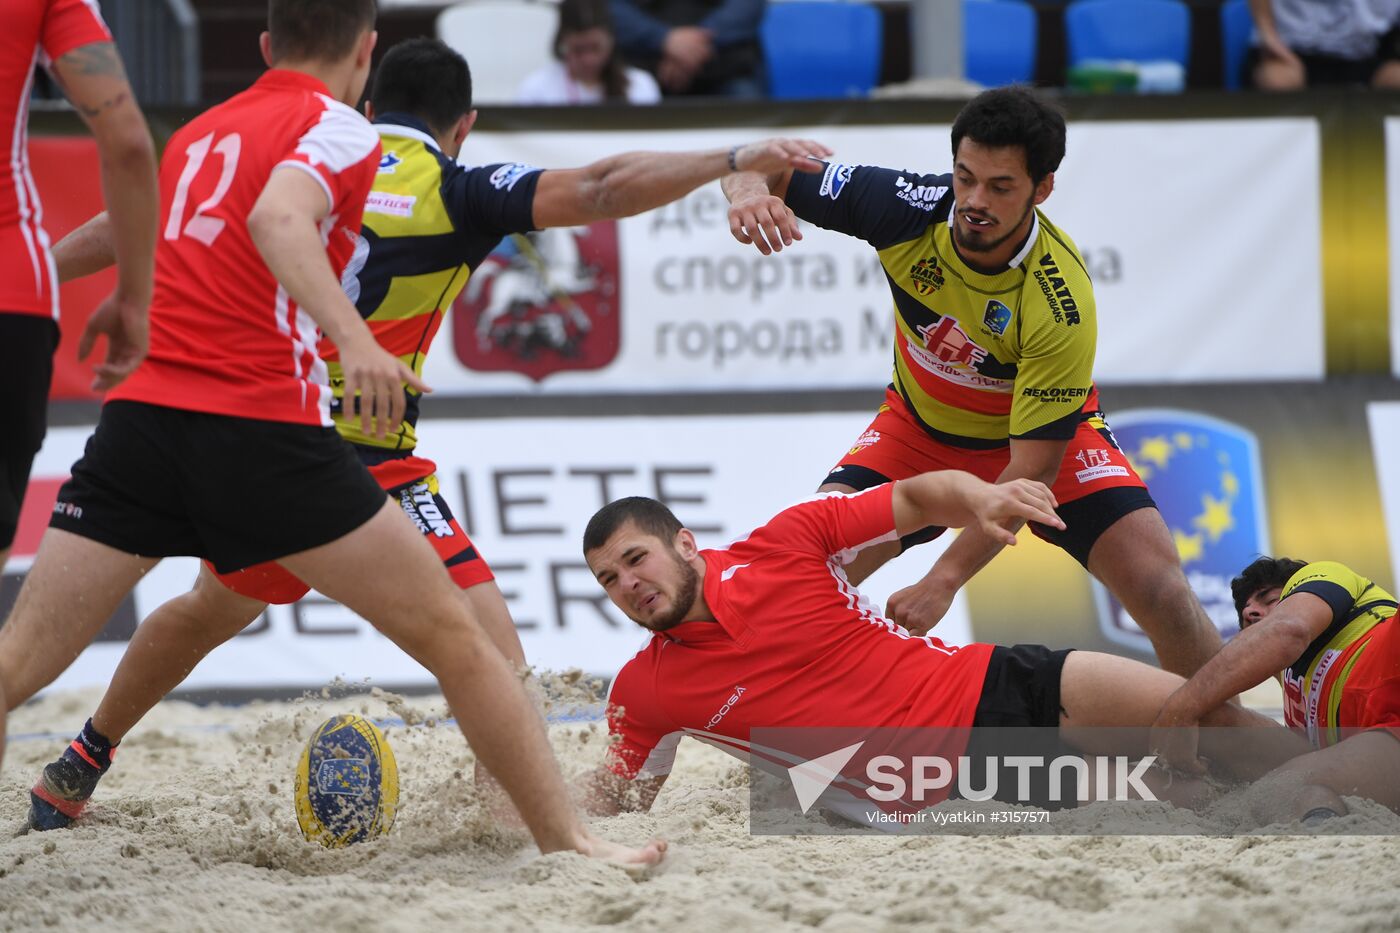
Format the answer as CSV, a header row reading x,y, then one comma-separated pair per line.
x,y
159,44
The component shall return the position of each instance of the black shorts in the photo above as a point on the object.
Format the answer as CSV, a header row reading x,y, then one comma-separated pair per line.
x,y
27,344
1018,713
161,482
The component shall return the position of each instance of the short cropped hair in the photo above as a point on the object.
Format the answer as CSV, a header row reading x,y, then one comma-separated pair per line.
x,y
1015,115
1264,574
425,78
317,30
650,516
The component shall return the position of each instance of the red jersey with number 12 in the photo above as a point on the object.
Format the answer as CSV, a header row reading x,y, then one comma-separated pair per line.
x,y
225,336
31,32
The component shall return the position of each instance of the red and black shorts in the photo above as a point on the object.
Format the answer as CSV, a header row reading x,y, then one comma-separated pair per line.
x,y
27,343
411,482
1095,487
163,482
1371,693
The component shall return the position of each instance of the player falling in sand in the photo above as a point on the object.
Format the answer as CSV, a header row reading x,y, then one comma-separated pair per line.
x,y
771,632
429,223
995,336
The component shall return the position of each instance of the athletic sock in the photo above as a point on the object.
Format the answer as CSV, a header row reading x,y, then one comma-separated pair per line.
x,y
66,784
94,748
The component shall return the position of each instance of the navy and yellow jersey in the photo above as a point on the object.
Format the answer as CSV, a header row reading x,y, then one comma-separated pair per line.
x,y
978,358
1313,684
428,223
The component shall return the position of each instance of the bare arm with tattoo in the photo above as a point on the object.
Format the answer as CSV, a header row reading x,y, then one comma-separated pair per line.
x,y
95,83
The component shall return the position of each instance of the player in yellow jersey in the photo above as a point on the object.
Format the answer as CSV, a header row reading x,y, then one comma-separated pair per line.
x,y
428,223
993,359
1330,636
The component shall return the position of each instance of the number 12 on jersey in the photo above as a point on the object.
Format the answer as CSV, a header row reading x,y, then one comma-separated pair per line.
x,y
202,227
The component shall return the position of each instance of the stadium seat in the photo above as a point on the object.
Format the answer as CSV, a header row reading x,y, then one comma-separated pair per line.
x,y
1236,27
1131,30
503,42
999,40
821,49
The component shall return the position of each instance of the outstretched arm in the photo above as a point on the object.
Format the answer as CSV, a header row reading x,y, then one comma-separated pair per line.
x,y
919,607
956,499
95,83
628,184
1253,656
757,213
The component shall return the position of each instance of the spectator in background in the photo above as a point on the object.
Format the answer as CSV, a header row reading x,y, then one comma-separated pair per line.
x,y
694,47
1310,42
589,69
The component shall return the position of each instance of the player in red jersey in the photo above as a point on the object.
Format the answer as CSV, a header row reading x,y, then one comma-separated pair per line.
x,y
769,632
421,104
220,445
70,39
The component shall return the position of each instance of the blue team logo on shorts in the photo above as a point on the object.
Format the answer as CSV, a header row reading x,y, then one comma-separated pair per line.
x,y
996,317
1205,476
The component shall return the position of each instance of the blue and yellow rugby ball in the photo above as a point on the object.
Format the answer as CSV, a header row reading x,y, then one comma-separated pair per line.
x,y
347,786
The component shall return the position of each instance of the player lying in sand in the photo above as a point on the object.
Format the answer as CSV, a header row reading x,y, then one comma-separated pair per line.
x,y
1330,636
769,632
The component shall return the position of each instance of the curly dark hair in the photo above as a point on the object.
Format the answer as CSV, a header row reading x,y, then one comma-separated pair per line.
x,y
1015,115
1264,574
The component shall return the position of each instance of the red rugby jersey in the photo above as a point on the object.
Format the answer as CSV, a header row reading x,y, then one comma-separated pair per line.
x,y
225,337
32,32
793,644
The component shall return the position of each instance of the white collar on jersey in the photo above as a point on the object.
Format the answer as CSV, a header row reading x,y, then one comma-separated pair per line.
x,y
1025,248
391,129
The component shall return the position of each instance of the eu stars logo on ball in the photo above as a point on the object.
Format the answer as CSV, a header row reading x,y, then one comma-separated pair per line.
x,y
347,784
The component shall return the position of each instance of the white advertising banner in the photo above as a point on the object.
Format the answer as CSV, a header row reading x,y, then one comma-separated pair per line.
x,y
523,490
1384,418
1201,236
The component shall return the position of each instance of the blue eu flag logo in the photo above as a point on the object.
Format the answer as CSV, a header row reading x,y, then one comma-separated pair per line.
x,y
996,316
1205,476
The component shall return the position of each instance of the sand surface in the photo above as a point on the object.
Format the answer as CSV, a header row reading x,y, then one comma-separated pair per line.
x,y
193,829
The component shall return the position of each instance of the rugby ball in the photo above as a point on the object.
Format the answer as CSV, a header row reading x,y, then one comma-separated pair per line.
x,y
347,786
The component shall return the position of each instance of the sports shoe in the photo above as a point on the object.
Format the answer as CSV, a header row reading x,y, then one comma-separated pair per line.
x,y
64,788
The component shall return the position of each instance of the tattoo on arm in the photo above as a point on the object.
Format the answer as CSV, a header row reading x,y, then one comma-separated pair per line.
x,y
96,60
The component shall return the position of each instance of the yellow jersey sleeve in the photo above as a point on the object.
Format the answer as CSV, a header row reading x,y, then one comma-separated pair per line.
x,y
1059,335
1335,584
